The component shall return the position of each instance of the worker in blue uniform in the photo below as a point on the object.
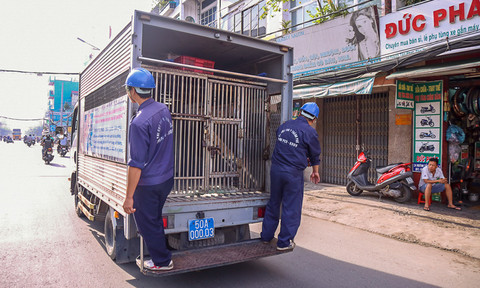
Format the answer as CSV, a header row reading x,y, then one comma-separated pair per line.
x,y
150,167
296,141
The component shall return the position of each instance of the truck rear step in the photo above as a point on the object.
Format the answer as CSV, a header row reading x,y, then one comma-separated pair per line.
x,y
193,260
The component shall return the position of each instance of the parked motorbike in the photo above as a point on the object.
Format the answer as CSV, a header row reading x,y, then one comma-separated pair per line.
x,y
62,150
427,121
426,147
427,109
48,155
428,134
394,180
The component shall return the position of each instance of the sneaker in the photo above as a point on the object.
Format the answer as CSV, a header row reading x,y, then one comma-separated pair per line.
x,y
151,266
289,247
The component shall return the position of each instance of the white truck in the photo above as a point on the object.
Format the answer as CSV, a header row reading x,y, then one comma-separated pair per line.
x,y
227,94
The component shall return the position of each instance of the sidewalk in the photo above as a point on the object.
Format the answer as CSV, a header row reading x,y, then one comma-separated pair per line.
x,y
456,231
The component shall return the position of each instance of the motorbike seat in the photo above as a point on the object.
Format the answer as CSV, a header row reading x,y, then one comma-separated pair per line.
x,y
384,169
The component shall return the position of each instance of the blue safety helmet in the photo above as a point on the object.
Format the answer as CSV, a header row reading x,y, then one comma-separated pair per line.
x,y
140,78
310,110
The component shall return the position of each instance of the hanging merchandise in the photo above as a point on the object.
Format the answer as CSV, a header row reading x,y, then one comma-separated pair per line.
x,y
454,151
473,122
455,134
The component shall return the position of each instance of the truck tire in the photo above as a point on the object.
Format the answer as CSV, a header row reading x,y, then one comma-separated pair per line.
x,y
77,202
110,235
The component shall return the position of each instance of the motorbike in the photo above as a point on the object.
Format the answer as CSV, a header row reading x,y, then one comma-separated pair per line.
x,y
48,155
428,134
394,180
427,109
427,121
426,147
62,150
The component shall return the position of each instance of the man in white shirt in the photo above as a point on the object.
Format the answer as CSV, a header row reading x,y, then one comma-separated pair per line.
x,y
433,181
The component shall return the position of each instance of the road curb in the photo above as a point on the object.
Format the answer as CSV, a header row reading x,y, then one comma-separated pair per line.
x,y
442,228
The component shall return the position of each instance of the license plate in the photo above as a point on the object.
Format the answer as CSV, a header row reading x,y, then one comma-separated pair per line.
x,y
409,180
201,229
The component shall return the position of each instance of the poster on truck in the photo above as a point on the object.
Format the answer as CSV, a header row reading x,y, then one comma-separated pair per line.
x,y
104,132
427,123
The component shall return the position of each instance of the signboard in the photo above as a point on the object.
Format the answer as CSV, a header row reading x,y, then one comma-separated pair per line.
x,y
428,123
420,26
296,110
403,119
104,131
335,44
404,96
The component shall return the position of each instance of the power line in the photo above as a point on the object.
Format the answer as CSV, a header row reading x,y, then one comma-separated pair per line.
x,y
38,73
22,119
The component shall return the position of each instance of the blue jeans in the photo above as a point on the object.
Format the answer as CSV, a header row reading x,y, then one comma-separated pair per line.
x,y
148,202
436,188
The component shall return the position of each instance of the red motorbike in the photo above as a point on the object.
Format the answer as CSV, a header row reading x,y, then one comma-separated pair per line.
x,y
394,180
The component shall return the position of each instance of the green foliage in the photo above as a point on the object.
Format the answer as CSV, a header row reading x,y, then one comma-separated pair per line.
x,y
411,2
272,5
67,106
329,8
286,26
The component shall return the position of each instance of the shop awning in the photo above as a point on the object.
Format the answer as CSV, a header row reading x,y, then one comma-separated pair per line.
x,y
355,86
452,68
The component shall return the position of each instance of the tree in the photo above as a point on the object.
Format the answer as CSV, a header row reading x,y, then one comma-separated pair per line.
x,y
326,11
36,130
4,130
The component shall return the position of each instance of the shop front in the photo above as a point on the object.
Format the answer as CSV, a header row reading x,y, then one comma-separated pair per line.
x,y
442,91
354,109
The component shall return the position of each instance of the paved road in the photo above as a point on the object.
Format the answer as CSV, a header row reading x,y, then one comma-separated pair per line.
x,y
44,244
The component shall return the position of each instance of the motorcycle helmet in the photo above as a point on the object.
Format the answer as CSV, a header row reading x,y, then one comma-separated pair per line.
x,y
310,110
140,78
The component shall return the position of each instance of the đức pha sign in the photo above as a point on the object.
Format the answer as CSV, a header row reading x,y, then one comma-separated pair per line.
x,y
422,25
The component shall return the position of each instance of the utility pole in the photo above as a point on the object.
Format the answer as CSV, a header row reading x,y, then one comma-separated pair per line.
x,y
61,109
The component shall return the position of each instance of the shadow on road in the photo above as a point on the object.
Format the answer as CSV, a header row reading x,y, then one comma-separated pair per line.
x,y
302,268
57,165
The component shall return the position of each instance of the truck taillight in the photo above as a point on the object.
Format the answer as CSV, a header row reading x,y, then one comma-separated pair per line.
x,y
168,221
261,212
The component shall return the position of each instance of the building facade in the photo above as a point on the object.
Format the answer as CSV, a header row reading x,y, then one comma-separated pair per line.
x,y
62,98
376,70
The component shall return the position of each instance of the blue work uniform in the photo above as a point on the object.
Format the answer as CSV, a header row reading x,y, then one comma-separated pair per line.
x,y
296,141
151,150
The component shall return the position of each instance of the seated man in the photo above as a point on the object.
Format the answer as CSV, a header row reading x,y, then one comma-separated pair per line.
x,y
433,181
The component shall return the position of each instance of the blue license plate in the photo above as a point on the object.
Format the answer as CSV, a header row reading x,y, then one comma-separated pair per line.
x,y
201,229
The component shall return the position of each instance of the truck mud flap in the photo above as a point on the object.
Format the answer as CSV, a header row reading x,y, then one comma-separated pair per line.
x,y
199,259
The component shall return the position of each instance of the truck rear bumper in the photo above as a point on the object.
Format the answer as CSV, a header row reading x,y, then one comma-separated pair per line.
x,y
193,260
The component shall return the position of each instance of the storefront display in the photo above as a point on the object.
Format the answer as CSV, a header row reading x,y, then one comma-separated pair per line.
x,y
427,119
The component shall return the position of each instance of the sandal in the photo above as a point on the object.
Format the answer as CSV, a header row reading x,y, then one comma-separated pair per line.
x,y
455,208
426,208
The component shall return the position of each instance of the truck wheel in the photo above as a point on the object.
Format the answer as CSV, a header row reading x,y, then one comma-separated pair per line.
x,y
406,194
110,235
77,208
